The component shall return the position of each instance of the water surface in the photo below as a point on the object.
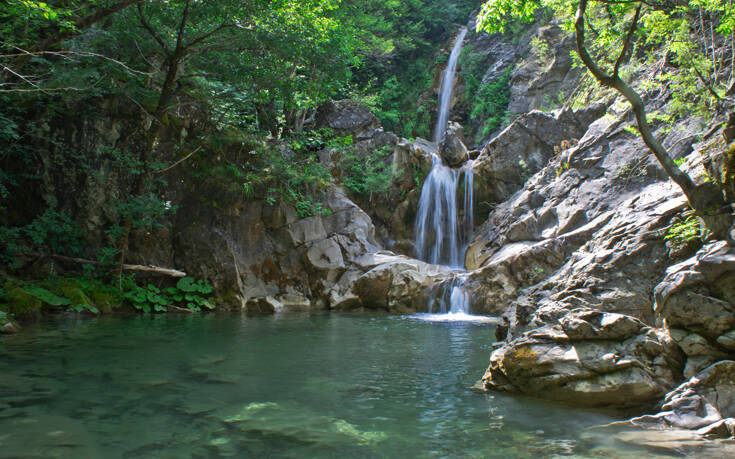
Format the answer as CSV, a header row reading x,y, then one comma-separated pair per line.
x,y
316,385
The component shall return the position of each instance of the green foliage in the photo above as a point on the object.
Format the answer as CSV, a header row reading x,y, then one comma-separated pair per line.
x,y
491,104
495,15
561,168
89,295
300,181
541,50
472,69
367,174
188,293
690,229
397,42
51,231
680,162
419,176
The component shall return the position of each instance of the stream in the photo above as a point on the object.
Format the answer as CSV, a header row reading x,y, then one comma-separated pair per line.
x,y
288,385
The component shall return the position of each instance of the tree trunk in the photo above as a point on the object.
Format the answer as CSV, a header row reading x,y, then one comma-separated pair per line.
x,y
706,199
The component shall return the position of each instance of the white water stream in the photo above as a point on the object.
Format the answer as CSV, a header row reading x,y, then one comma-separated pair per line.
x,y
444,220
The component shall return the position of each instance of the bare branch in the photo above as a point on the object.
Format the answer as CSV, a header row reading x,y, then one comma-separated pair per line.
x,y
207,35
126,267
177,162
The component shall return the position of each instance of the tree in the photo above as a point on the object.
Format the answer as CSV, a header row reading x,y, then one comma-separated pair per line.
x,y
625,22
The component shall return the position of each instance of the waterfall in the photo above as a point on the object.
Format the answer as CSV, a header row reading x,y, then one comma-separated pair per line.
x,y
445,96
444,220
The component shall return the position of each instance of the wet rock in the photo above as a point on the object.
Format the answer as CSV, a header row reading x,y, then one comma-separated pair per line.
x,y
705,402
10,327
261,306
294,302
452,149
298,423
398,284
724,428
618,362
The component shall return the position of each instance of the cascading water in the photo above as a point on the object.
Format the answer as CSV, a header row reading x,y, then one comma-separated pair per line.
x,y
444,220
445,96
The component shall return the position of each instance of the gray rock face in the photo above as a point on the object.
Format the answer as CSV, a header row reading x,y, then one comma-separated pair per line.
x,y
347,117
697,297
545,77
452,148
525,147
571,258
705,402
591,358
262,251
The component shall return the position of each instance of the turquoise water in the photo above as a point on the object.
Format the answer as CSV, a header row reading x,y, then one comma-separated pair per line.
x,y
297,385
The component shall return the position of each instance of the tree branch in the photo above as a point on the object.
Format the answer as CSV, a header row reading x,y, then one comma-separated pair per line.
x,y
628,39
126,267
86,22
147,26
177,162
699,198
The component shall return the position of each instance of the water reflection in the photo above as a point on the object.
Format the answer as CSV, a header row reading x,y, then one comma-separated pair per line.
x,y
281,386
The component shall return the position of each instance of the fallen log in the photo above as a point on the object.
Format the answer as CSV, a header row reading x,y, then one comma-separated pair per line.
x,y
126,267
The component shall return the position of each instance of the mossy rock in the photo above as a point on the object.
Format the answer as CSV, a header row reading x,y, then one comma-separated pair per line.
x,y
76,296
105,300
20,303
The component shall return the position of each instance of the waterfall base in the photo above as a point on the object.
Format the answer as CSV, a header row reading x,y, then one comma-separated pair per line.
x,y
454,317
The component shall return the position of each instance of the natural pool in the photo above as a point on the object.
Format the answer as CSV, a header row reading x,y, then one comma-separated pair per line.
x,y
289,385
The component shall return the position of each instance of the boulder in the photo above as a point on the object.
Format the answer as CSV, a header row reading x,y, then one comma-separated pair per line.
x,y
398,284
452,149
346,117
263,305
699,294
525,147
9,328
705,402
609,360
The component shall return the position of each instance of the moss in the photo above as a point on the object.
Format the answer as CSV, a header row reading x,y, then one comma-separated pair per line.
x,y
76,296
20,303
87,292
105,300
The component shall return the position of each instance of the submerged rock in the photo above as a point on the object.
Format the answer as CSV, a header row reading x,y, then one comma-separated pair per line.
x,y
298,423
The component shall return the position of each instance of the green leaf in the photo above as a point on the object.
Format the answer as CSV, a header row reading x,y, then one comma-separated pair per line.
x,y
46,296
187,284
